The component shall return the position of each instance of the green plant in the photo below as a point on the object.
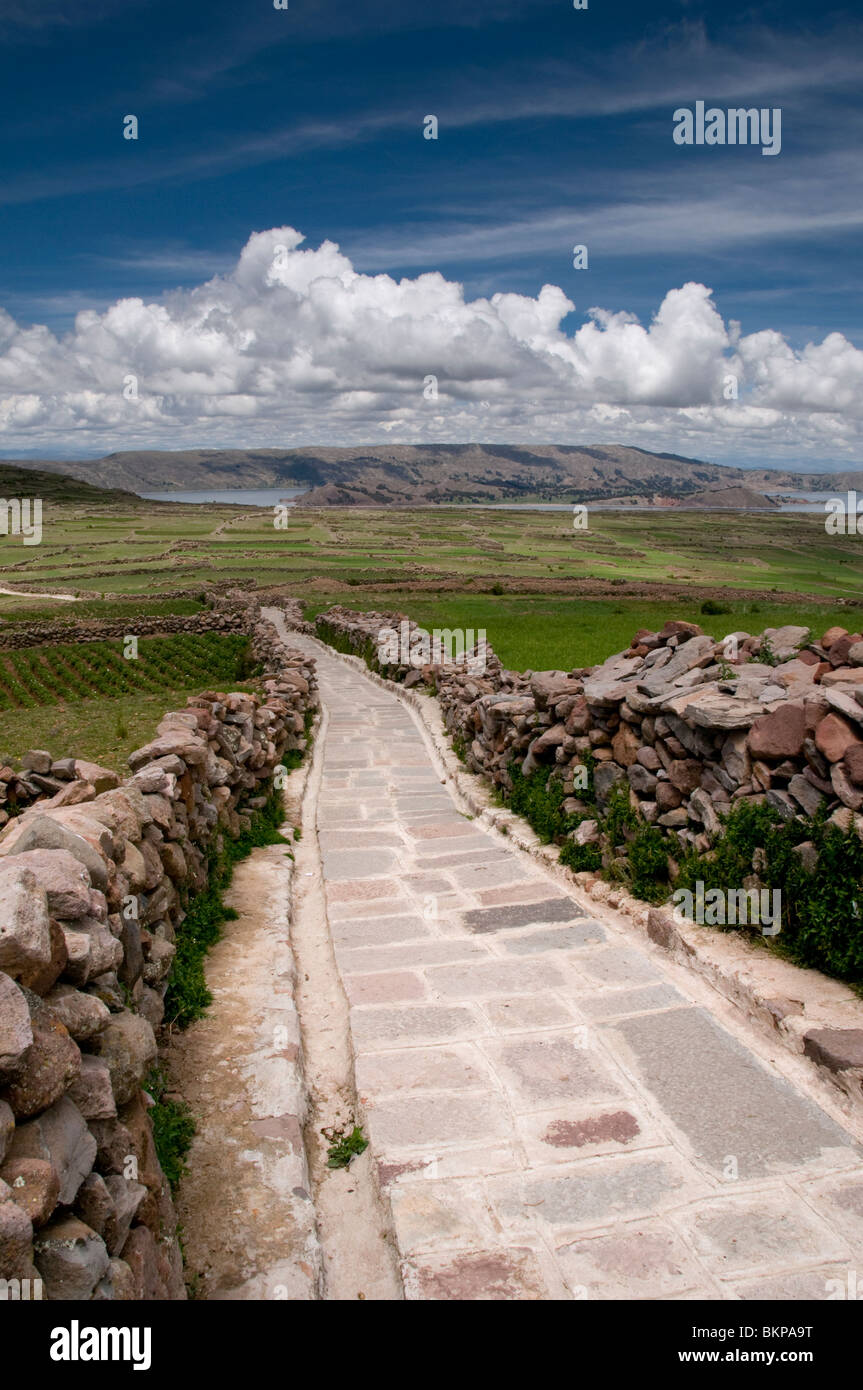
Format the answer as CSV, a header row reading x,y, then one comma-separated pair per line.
x,y
344,1147
173,1127
711,607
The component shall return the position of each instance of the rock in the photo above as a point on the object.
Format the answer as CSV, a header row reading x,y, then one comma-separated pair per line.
x,y
7,1128
843,703
34,1185
63,877
117,1285
141,1255
59,1136
784,641
587,833
550,738
674,820
838,653
94,1204
25,932
668,798
848,794
40,978
48,1066
701,809
16,1033
128,1046
37,760
625,745
82,1015
127,1197
780,734
46,832
855,654
16,1241
689,654
684,774
834,736
832,635
71,1259
548,687
641,781
852,763
604,778
101,778
91,1090
805,794
838,1049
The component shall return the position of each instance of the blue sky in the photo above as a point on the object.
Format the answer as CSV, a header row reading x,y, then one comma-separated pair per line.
x,y
555,129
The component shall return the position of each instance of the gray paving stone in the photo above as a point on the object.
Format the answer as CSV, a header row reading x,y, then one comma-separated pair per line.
x,y
619,1002
539,1071
558,939
377,931
377,1025
480,978
643,1260
410,1122
754,1234
489,919
339,864
723,1098
596,1191
616,965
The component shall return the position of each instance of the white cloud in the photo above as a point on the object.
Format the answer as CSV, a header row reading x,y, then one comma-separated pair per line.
x,y
294,346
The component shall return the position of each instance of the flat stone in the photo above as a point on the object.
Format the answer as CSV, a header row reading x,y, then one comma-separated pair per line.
x,y
541,1071
477,979
647,1260
837,1049
753,1115
738,1235
486,919
478,1275
379,1024
587,933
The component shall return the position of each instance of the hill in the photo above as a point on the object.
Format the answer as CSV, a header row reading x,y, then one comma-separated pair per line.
x,y
411,475
19,480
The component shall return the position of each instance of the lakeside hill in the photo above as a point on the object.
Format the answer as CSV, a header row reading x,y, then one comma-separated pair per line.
x,y
414,474
53,486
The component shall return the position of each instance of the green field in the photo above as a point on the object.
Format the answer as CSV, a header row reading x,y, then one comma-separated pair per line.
x,y
548,595
88,701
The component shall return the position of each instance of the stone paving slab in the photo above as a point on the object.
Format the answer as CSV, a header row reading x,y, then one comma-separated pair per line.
x,y
553,1111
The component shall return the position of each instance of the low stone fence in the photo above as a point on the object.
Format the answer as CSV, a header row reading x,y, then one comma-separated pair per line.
x,y
93,895
688,724
14,637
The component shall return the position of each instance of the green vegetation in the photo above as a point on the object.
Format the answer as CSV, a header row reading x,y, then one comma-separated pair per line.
x,y
52,675
173,1127
344,1147
188,997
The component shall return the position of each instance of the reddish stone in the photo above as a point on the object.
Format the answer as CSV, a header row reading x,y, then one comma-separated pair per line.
x,y
780,734
834,736
852,763
832,635
839,649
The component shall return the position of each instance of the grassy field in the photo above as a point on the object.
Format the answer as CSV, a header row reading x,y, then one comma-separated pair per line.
x,y
548,595
90,702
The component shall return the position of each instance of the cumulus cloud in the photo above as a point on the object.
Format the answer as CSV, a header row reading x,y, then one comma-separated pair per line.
x,y
295,346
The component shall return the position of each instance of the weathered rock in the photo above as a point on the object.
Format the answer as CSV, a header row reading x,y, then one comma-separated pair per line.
x,y
780,734
117,1285
59,1136
127,1197
838,1049
50,1064
16,1033
34,1186
25,931
834,736
48,832
684,774
64,879
82,1015
92,1091
16,1241
102,779
71,1259
7,1128
128,1046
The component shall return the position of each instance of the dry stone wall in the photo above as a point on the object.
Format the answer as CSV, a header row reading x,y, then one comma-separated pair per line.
x,y
688,723
93,894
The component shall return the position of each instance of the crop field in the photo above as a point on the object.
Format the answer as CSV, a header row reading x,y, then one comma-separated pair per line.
x,y
547,594
89,701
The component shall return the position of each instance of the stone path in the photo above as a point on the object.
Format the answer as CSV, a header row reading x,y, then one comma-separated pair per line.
x,y
554,1112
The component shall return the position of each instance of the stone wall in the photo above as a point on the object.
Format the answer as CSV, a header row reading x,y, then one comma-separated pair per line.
x,y
14,637
93,893
689,729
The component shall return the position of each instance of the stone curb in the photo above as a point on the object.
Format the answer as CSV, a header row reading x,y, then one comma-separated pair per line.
x,y
811,1015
